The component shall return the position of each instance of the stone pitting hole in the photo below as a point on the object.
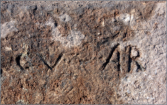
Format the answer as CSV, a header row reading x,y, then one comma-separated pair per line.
x,y
18,57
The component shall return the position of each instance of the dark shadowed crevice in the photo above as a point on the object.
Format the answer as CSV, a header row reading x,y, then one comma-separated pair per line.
x,y
118,58
130,60
115,35
1,72
55,24
138,66
18,61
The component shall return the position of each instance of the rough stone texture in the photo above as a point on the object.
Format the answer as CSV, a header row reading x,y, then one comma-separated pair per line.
x,y
83,52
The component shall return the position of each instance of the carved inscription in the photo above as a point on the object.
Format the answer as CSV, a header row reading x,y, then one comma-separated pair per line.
x,y
125,59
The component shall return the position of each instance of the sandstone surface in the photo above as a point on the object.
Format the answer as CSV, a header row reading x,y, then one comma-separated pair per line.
x,y
83,52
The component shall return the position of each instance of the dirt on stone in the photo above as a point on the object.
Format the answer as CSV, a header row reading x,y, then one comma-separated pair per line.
x,y
40,70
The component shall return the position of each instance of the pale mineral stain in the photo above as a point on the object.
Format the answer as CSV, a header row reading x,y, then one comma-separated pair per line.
x,y
8,27
160,8
102,23
8,48
125,18
65,18
72,39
